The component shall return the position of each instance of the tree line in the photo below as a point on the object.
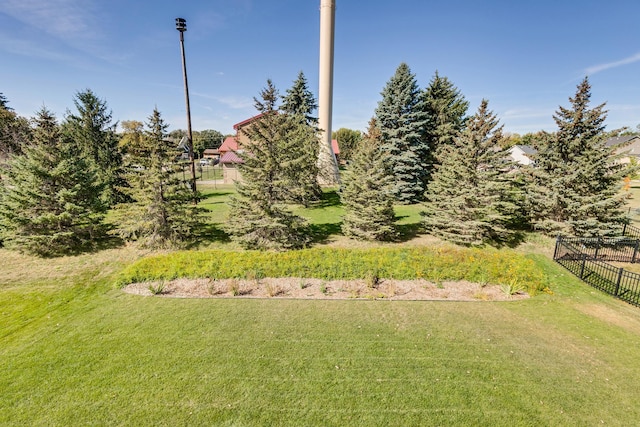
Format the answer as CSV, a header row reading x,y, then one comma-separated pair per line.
x,y
59,179
457,166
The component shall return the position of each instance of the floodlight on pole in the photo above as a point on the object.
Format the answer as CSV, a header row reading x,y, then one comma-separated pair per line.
x,y
181,26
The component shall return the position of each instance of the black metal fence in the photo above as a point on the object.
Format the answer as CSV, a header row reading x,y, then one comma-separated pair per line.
x,y
631,231
203,172
586,259
615,249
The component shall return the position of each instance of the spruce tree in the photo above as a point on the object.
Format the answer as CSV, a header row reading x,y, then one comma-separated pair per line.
x,y
95,134
14,130
469,201
257,218
299,144
445,109
401,120
4,102
161,214
575,186
298,147
300,101
366,191
49,204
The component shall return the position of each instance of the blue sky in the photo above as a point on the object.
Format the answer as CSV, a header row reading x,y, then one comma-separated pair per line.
x,y
526,58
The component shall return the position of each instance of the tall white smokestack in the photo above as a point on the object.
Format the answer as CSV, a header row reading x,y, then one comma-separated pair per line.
x,y
327,160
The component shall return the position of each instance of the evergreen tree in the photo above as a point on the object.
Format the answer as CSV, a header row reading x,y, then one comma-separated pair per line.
x,y
575,188
298,146
49,204
14,130
300,101
401,120
469,200
161,214
95,134
445,109
366,192
293,150
4,102
257,218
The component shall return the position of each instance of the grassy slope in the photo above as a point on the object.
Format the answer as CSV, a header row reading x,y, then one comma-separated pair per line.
x,y
73,350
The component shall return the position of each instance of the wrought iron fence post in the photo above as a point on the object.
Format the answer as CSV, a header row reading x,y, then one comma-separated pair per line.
x,y
555,252
595,256
584,260
624,228
635,251
618,281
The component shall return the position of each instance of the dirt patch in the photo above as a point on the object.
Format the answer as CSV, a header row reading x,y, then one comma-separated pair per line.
x,y
301,288
615,317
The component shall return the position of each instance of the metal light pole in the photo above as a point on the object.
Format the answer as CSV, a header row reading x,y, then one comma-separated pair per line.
x,y
181,26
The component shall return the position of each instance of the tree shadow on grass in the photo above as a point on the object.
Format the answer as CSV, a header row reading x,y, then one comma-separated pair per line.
x,y
209,233
213,194
320,233
513,242
406,232
329,198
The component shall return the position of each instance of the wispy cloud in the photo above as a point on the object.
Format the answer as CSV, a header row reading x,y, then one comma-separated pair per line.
x,y
26,48
65,19
525,113
235,102
601,67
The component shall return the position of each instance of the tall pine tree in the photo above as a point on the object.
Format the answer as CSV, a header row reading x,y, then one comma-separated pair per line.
x,y
257,217
95,134
575,187
14,130
49,204
446,111
469,201
300,101
366,191
161,214
401,119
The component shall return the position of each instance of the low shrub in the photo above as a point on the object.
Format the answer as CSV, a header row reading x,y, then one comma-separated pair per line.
x,y
158,288
487,265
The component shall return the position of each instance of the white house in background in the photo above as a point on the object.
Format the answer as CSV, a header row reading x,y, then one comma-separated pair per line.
x,y
629,147
521,154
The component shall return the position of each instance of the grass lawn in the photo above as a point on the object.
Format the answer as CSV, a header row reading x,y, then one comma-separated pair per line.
x,y
75,350
633,203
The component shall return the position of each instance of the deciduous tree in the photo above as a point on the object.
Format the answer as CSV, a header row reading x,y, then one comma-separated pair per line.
x,y
348,140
